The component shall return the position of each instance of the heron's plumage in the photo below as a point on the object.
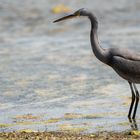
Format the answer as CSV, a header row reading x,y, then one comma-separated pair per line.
x,y
125,53
126,68
126,63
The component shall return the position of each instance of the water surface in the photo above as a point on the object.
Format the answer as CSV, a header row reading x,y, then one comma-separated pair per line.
x,y
49,77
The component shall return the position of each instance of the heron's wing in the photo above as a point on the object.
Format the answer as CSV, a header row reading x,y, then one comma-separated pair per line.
x,y
125,53
126,68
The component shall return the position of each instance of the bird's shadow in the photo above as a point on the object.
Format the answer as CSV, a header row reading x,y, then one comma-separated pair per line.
x,y
133,124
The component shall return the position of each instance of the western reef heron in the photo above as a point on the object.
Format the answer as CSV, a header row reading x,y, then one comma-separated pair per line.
x,y
125,62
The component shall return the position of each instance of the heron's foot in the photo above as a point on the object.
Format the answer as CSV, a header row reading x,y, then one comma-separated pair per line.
x,y
133,123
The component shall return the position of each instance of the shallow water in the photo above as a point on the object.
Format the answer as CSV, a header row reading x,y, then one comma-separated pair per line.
x,y
48,70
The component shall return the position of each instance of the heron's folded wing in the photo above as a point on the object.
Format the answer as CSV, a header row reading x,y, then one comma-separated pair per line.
x,y
126,68
125,53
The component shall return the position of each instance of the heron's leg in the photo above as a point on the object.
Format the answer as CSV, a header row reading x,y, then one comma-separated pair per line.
x,y
133,124
133,100
137,101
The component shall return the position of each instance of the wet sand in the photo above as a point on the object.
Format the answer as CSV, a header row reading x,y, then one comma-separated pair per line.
x,y
68,136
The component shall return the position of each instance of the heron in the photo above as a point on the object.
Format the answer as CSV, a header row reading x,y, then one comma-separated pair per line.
x,y
125,62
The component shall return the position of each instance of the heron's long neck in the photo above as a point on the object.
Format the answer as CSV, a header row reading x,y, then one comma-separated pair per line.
x,y
99,52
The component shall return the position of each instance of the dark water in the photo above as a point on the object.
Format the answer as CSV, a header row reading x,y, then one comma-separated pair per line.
x,y
48,70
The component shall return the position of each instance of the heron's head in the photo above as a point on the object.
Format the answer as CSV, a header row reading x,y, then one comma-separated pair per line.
x,y
80,12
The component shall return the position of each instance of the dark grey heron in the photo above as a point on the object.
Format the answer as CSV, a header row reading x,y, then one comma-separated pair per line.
x,y
125,62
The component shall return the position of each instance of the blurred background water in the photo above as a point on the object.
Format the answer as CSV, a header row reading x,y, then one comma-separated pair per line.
x,y
49,70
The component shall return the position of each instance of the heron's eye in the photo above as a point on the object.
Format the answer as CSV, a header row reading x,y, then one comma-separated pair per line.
x,y
77,13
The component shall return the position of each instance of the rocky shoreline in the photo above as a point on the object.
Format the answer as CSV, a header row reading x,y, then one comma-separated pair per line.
x,y
133,135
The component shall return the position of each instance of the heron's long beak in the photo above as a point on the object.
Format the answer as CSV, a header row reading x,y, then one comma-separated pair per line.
x,y
66,17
